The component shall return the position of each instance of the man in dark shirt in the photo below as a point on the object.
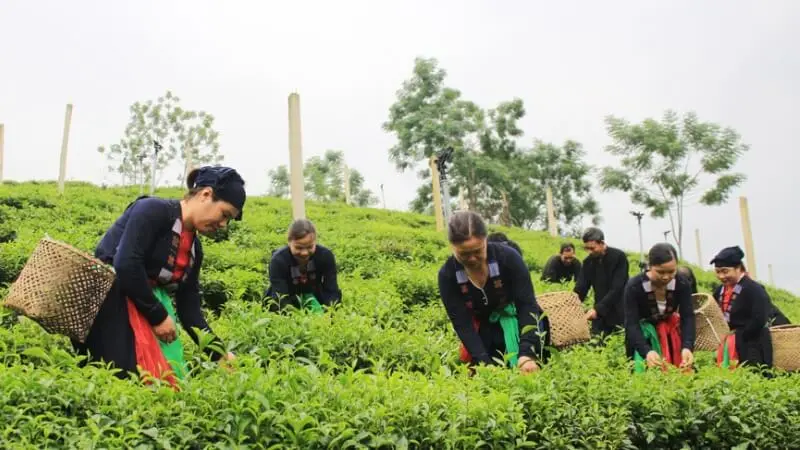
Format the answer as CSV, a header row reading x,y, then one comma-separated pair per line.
x,y
606,271
563,267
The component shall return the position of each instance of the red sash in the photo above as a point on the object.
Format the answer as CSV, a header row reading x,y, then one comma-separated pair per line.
x,y
149,356
669,336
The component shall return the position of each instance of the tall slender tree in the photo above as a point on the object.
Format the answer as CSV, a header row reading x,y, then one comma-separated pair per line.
x,y
665,164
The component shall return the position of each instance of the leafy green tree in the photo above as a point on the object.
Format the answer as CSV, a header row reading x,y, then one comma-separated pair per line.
x,y
178,130
564,171
429,117
279,182
488,165
324,181
666,163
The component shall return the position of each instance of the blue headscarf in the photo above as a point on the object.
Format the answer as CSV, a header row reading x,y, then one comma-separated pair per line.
x,y
228,185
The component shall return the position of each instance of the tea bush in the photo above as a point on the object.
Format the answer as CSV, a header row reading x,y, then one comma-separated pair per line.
x,y
379,371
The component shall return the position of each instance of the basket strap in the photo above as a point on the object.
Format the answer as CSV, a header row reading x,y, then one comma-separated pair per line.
x,y
713,330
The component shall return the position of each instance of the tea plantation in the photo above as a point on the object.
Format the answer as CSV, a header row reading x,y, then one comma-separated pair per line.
x,y
381,371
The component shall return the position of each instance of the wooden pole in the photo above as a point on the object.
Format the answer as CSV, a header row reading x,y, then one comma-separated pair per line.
x,y
697,243
771,278
748,237
2,144
296,159
551,215
62,170
346,184
437,195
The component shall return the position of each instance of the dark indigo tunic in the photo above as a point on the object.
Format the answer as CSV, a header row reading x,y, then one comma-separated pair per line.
x,y
509,282
288,280
640,302
142,245
749,315
555,271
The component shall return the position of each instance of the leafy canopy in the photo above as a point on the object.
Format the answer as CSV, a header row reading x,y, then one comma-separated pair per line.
x,y
498,177
664,164
324,181
181,132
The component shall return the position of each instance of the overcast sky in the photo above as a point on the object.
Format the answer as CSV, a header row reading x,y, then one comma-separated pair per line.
x,y
572,62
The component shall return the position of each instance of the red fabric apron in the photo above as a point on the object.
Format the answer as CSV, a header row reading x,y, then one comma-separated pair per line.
x,y
669,337
149,356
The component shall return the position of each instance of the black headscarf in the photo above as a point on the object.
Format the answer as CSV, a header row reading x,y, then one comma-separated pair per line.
x,y
728,257
228,185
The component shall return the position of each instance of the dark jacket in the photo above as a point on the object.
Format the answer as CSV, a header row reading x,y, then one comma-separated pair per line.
x,y
287,280
687,272
607,275
555,271
142,245
509,282
640,304
749,315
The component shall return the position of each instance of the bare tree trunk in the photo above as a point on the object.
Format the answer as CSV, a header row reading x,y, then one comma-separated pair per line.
x,y
676,234
473,200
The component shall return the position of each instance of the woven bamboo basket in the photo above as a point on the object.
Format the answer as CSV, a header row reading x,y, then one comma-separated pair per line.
x,y
786,347
710,324
61,288
568,325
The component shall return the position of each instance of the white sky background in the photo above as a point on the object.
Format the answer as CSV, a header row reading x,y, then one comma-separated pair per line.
x,y
572,62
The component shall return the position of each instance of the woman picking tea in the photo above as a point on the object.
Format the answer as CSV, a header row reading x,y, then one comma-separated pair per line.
x,y
487,292
157,256
303,272
747,308
659,315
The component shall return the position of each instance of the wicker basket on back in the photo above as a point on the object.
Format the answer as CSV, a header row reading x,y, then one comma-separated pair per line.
x,y
61,288
568,325
709,322
786,347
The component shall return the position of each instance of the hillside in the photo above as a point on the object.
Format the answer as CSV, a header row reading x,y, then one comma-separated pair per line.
x,y
381,371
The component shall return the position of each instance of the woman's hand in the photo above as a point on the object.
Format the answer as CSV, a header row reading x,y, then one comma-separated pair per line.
x,y
653,359
165,331
687,358
225,361
527,365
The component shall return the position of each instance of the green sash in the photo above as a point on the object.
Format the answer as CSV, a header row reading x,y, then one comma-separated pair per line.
x,y
310,301
173,352
649,332
508,322
726,356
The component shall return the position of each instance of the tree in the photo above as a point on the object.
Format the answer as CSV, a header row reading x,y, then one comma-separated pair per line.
x,y
279,182
324,181
664,164
429,117
178,130
564,171
488,165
